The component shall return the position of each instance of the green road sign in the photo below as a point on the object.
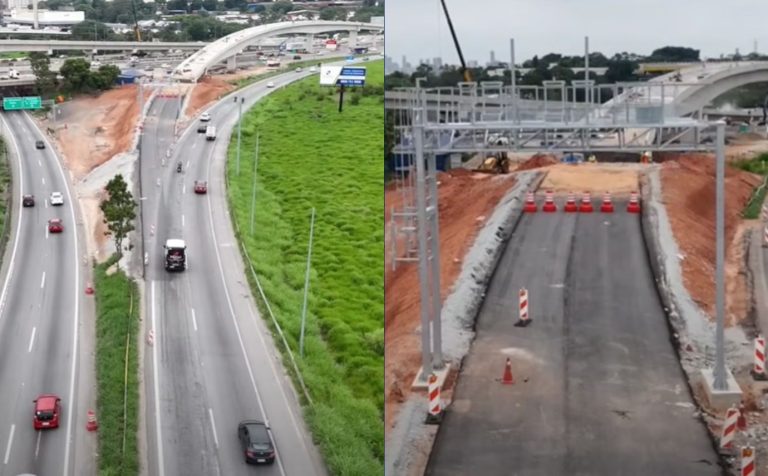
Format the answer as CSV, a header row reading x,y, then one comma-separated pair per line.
x,y
21,104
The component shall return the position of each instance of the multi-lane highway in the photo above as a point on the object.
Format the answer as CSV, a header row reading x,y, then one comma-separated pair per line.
x,y
213,362
598,388
41,304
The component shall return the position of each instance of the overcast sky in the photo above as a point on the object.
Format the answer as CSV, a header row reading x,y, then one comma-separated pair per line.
x,y
418,29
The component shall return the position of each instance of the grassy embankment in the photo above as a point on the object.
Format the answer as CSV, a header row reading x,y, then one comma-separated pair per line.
x,y
312,156
757,165
242,82
117,328
5,196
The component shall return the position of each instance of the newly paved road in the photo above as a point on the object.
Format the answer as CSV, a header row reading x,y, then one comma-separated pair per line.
x,y
39,311
598,388
213,362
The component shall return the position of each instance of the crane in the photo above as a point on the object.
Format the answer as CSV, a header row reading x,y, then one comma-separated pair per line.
x,y
135,22
464,71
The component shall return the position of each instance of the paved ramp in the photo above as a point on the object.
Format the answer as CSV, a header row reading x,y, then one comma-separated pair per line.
x,y
598,386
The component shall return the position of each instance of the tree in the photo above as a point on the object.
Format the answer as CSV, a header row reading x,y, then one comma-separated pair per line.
x,y
620,70
45,79
119,211
76,73
674,54
333,13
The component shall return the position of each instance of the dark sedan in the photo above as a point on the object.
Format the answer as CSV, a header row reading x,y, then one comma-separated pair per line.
x,y
256,442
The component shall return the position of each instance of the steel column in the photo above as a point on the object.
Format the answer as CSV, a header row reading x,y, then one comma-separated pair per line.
x,y
721,382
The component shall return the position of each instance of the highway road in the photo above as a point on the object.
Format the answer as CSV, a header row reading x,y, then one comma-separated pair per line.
x,y
598,388
213,362
40,308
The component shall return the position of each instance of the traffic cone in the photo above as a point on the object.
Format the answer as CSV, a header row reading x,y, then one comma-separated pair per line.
x,y
92,424
586,203
89,289
634,204
435,409
549,203
530,203
747,461
570,204
507,379
607,205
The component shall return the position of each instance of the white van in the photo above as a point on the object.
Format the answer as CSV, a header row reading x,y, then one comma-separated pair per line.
x,y
210,133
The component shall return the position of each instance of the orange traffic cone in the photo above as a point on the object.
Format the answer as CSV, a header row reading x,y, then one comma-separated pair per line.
x,y
607,206
570,205
530,203
91,425
89,289
507,379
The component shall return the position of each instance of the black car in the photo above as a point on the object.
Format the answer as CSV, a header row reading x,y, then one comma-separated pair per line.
x,y
39,144
256,442
297,57
28,201
201,128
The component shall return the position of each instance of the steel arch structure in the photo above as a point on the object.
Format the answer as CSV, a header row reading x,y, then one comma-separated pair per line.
x,y
194,67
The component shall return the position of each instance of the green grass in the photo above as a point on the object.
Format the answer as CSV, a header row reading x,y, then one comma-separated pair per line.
x,y
242,82
117,325
312,156
14,55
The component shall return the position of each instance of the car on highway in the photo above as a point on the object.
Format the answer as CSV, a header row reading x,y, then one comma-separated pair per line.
x,y
201,128
271,84
39,144
55,225
201,187
57,198
312,69
256,442
297,57
298,70
28,201
205,117
47,411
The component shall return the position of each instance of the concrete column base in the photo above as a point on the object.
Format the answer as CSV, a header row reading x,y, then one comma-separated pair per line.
x,y
423,384
721,399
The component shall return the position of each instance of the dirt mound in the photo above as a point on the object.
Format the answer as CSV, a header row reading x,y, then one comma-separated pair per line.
x,y
538,160
688,188
208,90
464,200
594,178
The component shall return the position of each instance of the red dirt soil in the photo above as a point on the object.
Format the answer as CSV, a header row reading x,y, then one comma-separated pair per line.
x,y
207,90
463,198
688,190
538,160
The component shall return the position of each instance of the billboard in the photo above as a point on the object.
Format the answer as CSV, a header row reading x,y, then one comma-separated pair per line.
x,y
342,75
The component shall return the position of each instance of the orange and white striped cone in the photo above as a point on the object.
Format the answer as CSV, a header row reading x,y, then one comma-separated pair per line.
x,y
91,424
151,337
758,369
549,203
530,203
607,205
507,378
570,204
523,309
765,212
729,428
586,203
435,411
634,203
747,461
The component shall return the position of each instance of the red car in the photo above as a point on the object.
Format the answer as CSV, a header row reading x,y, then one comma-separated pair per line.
x,y
55,225
201,187
47,411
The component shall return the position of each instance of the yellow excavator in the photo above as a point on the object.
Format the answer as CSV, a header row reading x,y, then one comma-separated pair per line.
x,y
497,163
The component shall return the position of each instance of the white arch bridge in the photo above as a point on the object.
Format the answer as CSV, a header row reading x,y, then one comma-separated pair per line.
x,y
194,67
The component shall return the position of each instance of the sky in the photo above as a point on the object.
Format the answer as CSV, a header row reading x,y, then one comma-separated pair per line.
x,y
418,29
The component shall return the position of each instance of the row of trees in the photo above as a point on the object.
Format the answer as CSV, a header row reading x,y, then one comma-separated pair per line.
x,y
76,73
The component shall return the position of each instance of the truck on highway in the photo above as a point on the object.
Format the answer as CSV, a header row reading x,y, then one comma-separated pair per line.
x,y
210,133
175,254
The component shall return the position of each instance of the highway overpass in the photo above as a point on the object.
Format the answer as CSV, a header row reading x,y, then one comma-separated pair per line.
x,y
53,45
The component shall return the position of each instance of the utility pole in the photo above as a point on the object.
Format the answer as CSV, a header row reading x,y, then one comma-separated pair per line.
x,y
306,284
253,193
239,123
720,378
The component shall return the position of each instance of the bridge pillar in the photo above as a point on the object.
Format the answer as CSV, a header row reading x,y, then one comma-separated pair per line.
x,y
231,64
352,39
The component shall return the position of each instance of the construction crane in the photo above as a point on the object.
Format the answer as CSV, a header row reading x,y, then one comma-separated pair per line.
x,y
135,22
464,70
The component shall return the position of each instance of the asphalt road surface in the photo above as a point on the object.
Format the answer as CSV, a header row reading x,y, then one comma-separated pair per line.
x,y
213,363
39,310
598,388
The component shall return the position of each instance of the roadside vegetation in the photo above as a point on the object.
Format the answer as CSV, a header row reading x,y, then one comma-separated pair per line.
x,y
5,196
313,156
757,165
117,374
242,82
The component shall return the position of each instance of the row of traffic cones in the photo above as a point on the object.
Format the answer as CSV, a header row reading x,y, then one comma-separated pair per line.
x,y
585,206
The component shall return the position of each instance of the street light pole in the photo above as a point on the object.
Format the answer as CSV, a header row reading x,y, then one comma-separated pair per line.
x,y
720,379
239,122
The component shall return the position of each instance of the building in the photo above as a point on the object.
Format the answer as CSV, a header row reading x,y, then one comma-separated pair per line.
x,y
44,17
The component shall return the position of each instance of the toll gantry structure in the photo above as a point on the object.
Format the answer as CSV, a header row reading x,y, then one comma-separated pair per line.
x,y
491,117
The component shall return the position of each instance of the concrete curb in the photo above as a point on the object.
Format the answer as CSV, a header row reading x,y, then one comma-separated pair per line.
x,y
410,435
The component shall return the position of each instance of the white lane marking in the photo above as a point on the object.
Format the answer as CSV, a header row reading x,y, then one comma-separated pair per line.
x,y
4,294
194,321
240,336
8,448
188,165
37,446
184,189
47,232
39,162
43,179
32,339
156,378
182,220
42,281
76,315
213,428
